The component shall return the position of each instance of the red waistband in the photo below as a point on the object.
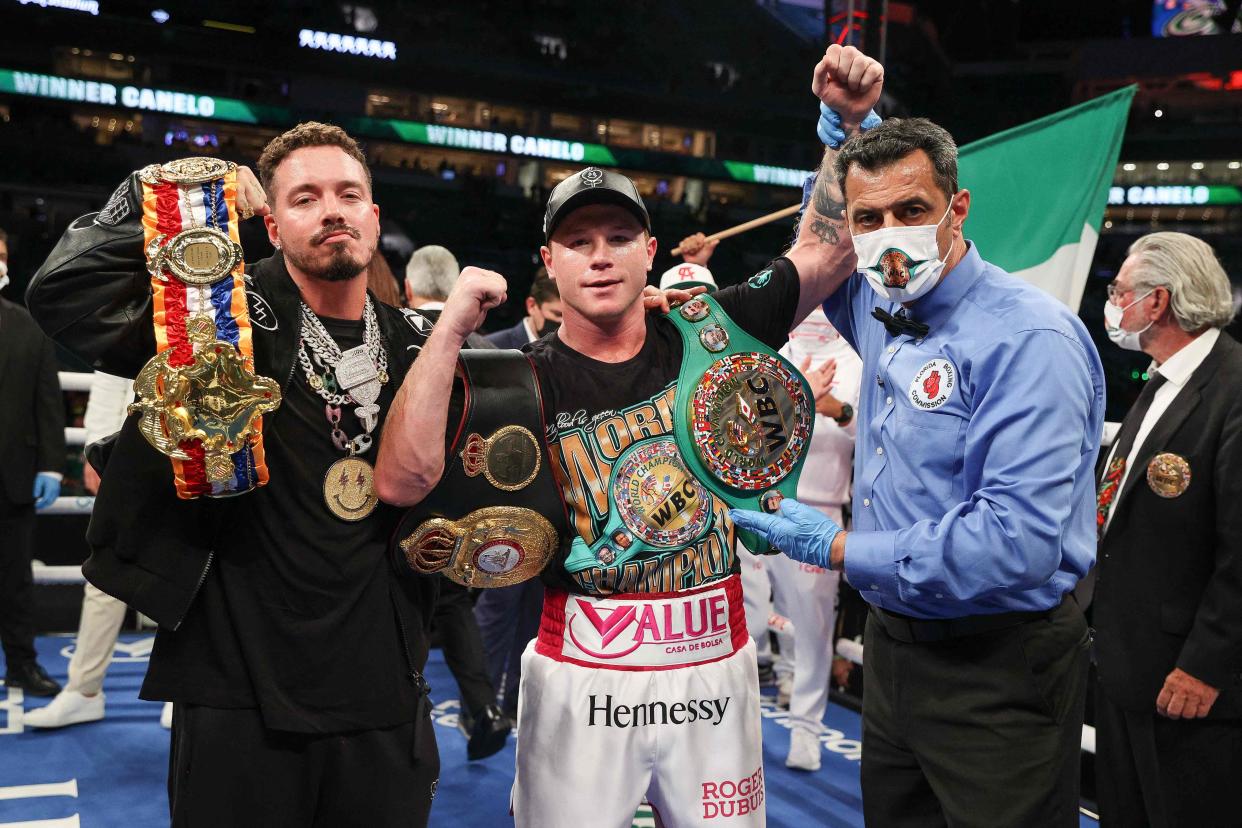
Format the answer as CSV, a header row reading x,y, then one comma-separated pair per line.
x,y
644,631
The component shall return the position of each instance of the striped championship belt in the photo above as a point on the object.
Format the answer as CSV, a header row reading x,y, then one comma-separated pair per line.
x,y
201,402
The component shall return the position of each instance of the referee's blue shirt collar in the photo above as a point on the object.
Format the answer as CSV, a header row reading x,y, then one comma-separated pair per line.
x,y
936,306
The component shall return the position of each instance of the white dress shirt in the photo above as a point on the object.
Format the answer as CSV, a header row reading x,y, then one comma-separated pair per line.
x,y
1176,371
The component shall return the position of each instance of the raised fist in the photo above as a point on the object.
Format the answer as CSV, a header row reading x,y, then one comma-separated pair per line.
x,y
849,82
696,249
476,292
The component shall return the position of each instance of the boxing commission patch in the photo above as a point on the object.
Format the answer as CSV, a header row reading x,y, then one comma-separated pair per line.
x,y
933,385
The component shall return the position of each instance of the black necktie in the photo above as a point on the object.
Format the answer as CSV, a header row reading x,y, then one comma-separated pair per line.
x,y
900,323
1134,419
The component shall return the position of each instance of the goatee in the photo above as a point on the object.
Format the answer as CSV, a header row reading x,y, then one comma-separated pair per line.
x,y
341,267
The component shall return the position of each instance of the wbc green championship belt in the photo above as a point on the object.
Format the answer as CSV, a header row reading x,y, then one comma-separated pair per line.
x,y
742,421
497,467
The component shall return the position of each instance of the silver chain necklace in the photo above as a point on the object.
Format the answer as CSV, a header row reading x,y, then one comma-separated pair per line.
x,y
355,376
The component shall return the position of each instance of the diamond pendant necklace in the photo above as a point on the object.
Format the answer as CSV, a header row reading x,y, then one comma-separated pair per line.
x,y
354,376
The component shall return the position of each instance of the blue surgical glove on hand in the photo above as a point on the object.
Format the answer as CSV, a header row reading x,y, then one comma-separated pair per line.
x,y
801,532
829,129
46,490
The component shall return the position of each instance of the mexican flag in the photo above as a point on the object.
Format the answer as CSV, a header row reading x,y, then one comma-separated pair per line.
x,y
1038,192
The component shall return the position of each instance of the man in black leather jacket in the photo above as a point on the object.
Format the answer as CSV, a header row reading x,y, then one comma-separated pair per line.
x,y
292,651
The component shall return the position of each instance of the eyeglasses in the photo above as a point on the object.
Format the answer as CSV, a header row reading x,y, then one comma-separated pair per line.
x,y
1115,290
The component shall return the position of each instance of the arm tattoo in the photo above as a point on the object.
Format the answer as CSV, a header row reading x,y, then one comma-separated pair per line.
x,y
826,204
825,232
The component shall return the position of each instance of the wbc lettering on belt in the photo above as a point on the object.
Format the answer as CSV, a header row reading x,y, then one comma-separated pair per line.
x,y
654,633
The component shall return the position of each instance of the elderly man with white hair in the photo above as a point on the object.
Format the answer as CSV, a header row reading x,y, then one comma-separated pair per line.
x,y
1168,586
429,277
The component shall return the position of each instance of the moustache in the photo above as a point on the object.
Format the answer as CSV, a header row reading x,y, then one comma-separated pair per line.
x,y
332,231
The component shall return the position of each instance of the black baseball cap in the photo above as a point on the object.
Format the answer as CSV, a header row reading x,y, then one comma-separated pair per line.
x,y
593,186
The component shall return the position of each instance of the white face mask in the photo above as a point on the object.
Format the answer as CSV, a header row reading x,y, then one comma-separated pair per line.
x,y
901,263
4,275
1112,324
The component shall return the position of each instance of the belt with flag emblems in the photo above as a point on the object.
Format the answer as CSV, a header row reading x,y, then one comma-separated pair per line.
x,y
200,400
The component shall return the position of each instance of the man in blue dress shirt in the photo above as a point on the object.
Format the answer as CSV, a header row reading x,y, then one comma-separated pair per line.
x,y
974,509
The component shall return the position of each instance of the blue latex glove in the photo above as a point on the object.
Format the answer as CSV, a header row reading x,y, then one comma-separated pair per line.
x,y
46,490
829,127
801,532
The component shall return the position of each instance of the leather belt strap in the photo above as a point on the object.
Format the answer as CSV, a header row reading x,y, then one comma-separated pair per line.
x,y
498,467
910,630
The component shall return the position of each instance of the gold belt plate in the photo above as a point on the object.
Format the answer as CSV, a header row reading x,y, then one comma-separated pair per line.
x,y
490,547
509,459
200,256
194,170
215,401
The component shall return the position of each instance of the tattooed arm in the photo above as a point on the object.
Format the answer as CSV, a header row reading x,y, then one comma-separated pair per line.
x,y
849,82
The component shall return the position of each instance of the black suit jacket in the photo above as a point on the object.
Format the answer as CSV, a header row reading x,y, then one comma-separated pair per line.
x,y
1168,587
32,418
514,337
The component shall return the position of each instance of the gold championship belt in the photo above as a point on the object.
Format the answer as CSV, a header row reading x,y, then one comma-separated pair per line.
x,y
498,464
200,400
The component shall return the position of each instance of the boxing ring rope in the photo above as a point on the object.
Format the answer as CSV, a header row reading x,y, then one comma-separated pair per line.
x,y
82,504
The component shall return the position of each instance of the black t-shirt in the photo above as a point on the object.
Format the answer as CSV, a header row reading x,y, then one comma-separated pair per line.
x,y
297,614
596,409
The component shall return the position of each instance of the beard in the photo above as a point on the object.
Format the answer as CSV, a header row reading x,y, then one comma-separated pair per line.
x,y
341,266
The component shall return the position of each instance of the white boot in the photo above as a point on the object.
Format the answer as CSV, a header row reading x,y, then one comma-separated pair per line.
x,y
166,716
803,750
68,708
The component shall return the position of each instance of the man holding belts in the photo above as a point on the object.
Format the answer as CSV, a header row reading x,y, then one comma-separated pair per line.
x,y
978,428
292,652
612,707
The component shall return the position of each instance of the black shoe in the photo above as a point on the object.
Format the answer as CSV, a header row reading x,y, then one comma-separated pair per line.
x,y
32,678
485,735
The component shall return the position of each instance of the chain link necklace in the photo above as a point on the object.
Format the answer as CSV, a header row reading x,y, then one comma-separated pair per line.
x,y
343,377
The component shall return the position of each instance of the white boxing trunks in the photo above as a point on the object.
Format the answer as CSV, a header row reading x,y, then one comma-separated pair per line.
x,y
640,694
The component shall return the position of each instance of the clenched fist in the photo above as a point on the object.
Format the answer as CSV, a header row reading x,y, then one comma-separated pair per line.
x,y
477,291
849,82
697,249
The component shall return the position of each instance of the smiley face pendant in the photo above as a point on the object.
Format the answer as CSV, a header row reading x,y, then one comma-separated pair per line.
x,y
349,489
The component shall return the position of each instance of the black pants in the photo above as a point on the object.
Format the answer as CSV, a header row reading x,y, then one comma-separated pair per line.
x,y
16,584
982,730
508,619
462,646
1153,771
226,768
